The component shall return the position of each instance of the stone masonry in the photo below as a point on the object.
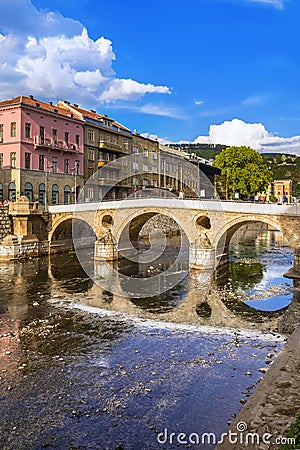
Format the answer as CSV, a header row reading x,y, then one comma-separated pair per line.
x,y
5,223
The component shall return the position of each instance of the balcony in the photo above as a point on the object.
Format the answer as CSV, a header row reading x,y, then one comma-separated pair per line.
x,y
112,165
50,144
107,181
112,147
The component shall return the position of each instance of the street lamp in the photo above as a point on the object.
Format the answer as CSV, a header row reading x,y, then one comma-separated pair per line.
x,y
74,171
46,181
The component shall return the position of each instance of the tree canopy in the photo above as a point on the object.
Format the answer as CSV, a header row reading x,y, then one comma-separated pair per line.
x,y
245,169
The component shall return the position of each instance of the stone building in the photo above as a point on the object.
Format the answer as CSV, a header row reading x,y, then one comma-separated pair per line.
x,y
41,152
105,141
145,163
184,171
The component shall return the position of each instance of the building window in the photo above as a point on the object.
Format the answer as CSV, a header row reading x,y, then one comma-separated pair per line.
x,y
145,182
135,150
154,183
135,165
90,194
91,155
67,138
27,160
41,162
125,144
66,165
54,136
28,130
145,153
145,168
29,191
67,195
154,155
1,191
13,129
77,140
42,194
1,160
42,135
90,172
1,132
54,164
91,135
13,160
77,167
55,194
12,191
154,169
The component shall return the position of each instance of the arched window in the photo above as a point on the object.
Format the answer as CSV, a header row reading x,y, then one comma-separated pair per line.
x,y
1,191
29,191
42,194
12,191
55,193
67,195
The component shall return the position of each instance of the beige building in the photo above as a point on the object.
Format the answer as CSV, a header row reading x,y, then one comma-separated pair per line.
x,y
145,163
105,141
281,188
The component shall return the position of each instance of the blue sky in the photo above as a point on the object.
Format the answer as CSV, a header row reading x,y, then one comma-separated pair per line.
x,y
222,71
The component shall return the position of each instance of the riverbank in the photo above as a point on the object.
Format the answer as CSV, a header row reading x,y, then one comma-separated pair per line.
x,y
274,404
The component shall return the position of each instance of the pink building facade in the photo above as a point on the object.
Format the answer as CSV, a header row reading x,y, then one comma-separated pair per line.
x,y
41,152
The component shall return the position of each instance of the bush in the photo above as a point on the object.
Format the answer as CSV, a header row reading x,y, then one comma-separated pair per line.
x,y
294,432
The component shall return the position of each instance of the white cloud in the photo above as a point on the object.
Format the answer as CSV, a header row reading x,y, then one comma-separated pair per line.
x,y
278,4
198,102
48,55
154,137
254,100
153,109
238,133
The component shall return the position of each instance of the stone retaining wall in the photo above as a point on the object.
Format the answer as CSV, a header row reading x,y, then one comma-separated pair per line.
x,y
5,223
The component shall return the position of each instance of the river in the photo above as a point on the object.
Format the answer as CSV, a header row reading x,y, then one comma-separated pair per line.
x,y
82,368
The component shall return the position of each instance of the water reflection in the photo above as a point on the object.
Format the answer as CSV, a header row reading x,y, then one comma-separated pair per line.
x,y
79,379
249,291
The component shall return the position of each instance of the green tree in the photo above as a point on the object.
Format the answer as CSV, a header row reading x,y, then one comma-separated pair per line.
x,y
245,169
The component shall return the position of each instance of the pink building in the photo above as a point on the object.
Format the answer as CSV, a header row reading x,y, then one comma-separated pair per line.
x,y
41,151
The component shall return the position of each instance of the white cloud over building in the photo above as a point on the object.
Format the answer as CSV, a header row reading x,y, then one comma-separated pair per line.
x,y
238,133
48,55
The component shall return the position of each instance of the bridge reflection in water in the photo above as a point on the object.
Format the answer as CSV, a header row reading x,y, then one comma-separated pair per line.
x,y
232,297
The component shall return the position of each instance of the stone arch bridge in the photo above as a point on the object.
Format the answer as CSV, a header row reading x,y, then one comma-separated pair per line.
x,y
208,225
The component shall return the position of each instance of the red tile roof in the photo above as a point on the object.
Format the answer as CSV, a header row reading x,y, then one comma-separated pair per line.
x,y
90,114
30,101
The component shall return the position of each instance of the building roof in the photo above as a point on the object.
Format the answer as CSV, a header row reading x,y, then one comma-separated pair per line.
x,y
31,101
86,114
172,151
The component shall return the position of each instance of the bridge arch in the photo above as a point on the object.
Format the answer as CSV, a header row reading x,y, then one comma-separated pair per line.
x,y
135,221
235,224
69,231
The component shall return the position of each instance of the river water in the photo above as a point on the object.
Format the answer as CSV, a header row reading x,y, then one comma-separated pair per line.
x,y
82,368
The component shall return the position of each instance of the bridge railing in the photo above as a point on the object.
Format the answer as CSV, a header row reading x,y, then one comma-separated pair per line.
x,y
174,202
